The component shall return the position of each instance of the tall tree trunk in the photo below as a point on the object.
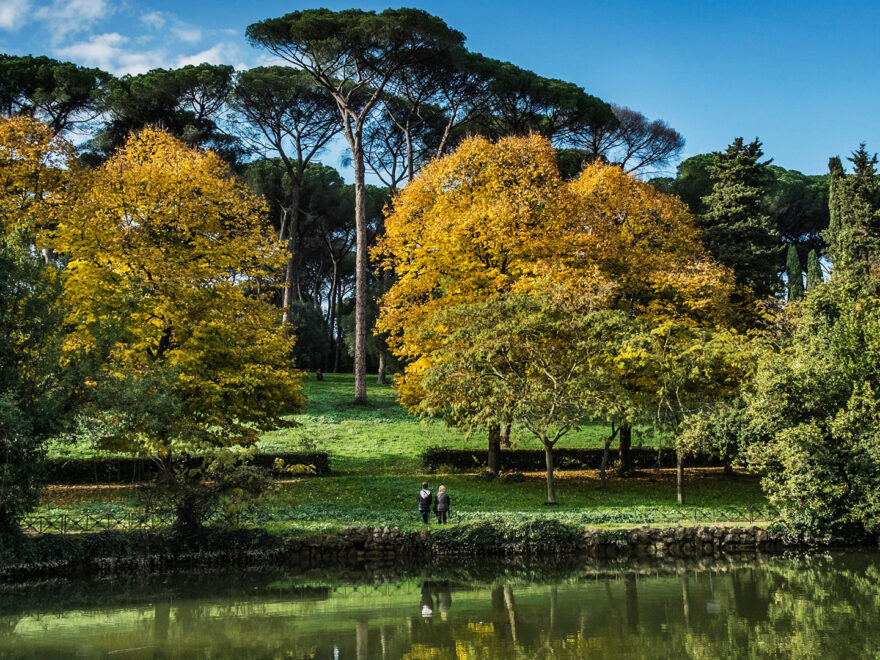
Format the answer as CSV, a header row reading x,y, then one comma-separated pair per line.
x,y
679,477
291,271
494,460
625,446
551,484
604,467
381,378
331,324
505,436
337,346
361,264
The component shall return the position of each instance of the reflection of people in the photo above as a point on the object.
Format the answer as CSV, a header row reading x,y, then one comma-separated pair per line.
x,y
444,599
427,601
441,505
424,502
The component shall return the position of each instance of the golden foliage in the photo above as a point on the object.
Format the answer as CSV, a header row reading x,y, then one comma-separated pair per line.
x,y
497,217
37,169
170,260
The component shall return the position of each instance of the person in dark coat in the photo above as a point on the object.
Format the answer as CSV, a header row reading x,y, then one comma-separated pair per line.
x,y
441,505
425,499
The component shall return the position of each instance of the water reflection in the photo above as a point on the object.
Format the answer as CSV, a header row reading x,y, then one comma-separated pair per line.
x,y
805,607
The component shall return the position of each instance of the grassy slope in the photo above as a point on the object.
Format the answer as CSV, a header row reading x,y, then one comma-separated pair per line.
x,y
375,450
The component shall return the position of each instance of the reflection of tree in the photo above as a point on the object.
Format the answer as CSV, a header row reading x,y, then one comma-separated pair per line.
x,y
811,607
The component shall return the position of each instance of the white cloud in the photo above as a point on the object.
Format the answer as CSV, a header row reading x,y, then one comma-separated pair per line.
x,y
65,17
13,13
154,20
221,53
187,34
110,52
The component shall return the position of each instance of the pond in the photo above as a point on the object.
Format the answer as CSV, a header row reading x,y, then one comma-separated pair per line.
x,y
807,606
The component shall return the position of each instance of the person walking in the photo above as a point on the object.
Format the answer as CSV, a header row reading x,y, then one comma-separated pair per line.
x,y
425,498
441,505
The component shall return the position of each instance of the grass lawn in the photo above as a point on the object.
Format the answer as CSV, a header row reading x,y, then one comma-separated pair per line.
x,y
375,451
383,438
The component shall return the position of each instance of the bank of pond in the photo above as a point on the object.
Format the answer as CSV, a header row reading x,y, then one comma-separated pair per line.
x,y
805,605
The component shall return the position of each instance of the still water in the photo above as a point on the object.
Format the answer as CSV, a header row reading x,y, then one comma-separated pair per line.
x,y
819,606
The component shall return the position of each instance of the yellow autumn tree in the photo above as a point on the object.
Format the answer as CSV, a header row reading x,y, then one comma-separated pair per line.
x,y
170,262
37,173
494,219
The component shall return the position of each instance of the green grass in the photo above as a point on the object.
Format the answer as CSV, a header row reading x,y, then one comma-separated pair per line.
x,y
374,451
381,436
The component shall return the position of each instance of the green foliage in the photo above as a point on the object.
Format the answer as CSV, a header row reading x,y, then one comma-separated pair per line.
x,y
736,229
35,392
312,335
853,235
186,102
794,273
62,94
815,277
814,415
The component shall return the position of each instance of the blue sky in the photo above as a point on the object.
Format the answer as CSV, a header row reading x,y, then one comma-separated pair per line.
x,y
802,76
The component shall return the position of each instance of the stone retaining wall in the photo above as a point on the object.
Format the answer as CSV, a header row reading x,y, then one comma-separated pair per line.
x,y
387,544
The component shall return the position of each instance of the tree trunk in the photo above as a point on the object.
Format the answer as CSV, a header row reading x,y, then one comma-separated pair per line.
x,y
331,323
381,379
625,467
291,272
604,467
679,477
338,355
361,264
505,436
551,485
494,460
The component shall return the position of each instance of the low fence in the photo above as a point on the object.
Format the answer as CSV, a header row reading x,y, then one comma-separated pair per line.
x,y
86,523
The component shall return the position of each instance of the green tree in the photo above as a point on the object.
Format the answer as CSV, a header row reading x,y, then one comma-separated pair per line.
x,y
35,391
814,271
355,55
169,264
794,274
533,356
186,102
853,234
61,94
283,112
736,230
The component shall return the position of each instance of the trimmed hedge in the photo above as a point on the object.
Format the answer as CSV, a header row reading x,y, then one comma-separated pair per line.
x,y
80,471
532,460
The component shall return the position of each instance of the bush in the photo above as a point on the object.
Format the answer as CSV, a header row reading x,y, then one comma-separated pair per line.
x,y
532,460
137,470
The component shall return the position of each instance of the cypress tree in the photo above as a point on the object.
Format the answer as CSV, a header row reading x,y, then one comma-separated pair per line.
x,y
853,234
795,274
735,229
814,271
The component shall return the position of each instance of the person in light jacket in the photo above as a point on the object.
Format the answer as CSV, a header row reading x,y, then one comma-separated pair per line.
x,y
425,498
441,505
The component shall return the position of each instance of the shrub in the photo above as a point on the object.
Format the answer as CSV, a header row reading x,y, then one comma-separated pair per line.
x,y
532,460
137,470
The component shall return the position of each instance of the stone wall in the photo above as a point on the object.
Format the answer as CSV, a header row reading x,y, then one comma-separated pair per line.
x,y
387,544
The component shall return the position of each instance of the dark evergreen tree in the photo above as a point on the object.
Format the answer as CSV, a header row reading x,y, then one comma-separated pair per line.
x,y
794,273
814,271
853,235
735,228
